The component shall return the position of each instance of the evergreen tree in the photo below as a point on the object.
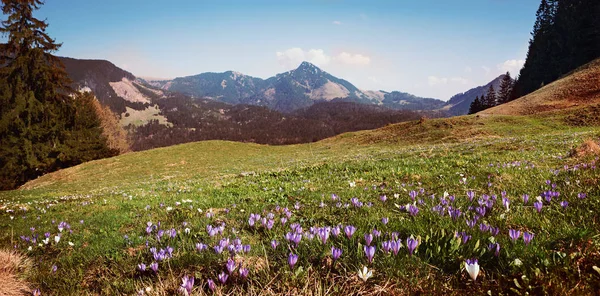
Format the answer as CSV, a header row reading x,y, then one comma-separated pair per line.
x,y
489,100
475,106
37,113
504,93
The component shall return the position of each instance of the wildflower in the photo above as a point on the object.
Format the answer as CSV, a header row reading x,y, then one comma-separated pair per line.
x,y
506,203
386,246
365,273
57,239
527,237
211,284
368,239
383,198
369,252
395,246
384,220
581,195
525,198
349,230
230,265
495,247
336,231
514,234
336,253
142,267
154,266
564,204
54,268
413,210
187,285
274,244
412,194
472,267
411,244
324,234
201,247
538,206
244,272
292,259
36,292
471,195
222,277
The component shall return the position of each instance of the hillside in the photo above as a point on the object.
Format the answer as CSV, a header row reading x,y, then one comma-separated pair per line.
x,y
147,219
579,88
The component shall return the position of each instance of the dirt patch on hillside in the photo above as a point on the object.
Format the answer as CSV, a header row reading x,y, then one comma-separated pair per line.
x,y
589,147
12,266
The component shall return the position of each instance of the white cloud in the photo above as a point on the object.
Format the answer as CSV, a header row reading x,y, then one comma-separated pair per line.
x,y
337,23
292,57
352,59
512,66
434,80
468,69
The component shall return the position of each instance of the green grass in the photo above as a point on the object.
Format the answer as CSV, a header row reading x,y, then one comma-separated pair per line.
x,y
116,197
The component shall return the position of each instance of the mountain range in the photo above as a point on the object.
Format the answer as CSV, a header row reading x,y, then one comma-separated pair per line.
x,y
289,91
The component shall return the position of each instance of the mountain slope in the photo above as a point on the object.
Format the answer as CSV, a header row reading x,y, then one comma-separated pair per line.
x,y
289,91
579,88
459,104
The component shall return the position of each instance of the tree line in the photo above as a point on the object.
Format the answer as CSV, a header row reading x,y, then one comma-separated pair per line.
x,y
565,36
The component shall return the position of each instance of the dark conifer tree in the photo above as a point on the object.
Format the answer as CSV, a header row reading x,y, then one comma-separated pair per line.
x,y
489,99
475,106
38,112
504,93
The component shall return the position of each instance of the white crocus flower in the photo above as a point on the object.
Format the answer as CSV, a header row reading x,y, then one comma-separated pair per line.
x,y
187,231
365,273
57,239
352,184
472,267
71,244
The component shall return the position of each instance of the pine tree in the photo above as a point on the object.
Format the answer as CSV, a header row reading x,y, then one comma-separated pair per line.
x,y
504,93
489,99
38,114
475,106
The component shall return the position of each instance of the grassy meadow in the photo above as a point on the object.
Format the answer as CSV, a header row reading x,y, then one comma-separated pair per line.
x,y
409,204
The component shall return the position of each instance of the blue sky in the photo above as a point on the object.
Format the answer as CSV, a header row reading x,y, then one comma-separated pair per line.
x,y
425,47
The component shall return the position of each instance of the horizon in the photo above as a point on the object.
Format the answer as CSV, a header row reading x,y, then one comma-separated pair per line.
x,y
430,49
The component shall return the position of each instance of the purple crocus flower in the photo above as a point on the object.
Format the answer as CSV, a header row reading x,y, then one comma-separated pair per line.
x,y
274,244
222,277
412,194
495,247
527,237
292,259
470,195
514,234
201,247
411,244
154,266
384,220
369,252
386,246
283,220
142,267
484,227
246,248
581,195
538,206
368,239
383,198
218,249
564,204
324,234
395,246
454,213
230,265
187,285
244,272
471,223
525,198
336,231
336,253
211,284
413,210
349,230
494,230
170,251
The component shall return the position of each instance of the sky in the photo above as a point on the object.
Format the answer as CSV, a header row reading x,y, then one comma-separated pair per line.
x,y
430,48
